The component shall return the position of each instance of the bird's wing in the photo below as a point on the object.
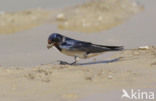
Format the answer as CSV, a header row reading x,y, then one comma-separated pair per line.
x,y
90,48
76,45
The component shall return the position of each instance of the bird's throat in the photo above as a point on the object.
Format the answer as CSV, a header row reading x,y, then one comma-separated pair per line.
x,y
57,46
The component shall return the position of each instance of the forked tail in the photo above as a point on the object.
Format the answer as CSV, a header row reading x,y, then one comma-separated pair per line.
x,y
110,48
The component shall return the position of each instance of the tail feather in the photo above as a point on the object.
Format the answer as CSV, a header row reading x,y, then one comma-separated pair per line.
x,y
110,48
116,48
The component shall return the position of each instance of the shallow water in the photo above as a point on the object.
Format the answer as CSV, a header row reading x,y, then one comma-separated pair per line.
x,y
14,5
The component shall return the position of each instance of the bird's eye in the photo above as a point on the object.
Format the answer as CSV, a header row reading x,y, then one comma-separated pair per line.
x,y
49,41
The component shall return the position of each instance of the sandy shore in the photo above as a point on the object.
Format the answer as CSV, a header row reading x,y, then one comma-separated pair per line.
x,y
12,22
135,69
30,72
97,16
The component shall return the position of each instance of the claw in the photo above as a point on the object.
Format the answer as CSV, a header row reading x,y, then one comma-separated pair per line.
x,y
74,63
63,63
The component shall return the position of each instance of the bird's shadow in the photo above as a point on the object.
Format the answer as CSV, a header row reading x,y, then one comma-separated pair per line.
x,y
91,63
100,62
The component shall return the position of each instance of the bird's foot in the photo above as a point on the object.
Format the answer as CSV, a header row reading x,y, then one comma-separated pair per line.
x,y
65,63
74,63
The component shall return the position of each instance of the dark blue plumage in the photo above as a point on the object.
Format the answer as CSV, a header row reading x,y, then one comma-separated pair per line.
x,y
78,48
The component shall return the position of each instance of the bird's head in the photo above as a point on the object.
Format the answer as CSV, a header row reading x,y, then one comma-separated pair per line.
x,y
54,39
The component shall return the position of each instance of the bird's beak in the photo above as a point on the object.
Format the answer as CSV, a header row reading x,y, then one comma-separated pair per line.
x,y
49,46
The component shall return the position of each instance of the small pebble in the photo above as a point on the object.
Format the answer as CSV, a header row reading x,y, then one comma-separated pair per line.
x,y
60,17
110,77
144,47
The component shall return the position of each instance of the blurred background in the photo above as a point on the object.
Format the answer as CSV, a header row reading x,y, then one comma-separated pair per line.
x,y
26,24
16,5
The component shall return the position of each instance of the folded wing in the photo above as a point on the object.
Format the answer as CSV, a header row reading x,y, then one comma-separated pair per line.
x,y
93,48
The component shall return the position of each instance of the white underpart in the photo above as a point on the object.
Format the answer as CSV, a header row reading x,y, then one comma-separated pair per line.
x,y
74,53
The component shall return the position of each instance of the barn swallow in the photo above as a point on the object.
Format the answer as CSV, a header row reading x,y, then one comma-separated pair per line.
x,y
77,48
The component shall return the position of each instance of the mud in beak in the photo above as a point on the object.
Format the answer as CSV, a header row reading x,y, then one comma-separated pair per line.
x,y
50,45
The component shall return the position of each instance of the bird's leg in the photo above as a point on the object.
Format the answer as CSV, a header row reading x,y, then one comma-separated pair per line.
x,y
63,63
75,60
73,63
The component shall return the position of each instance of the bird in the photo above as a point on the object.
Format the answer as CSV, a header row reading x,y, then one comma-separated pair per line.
x,y
76,48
